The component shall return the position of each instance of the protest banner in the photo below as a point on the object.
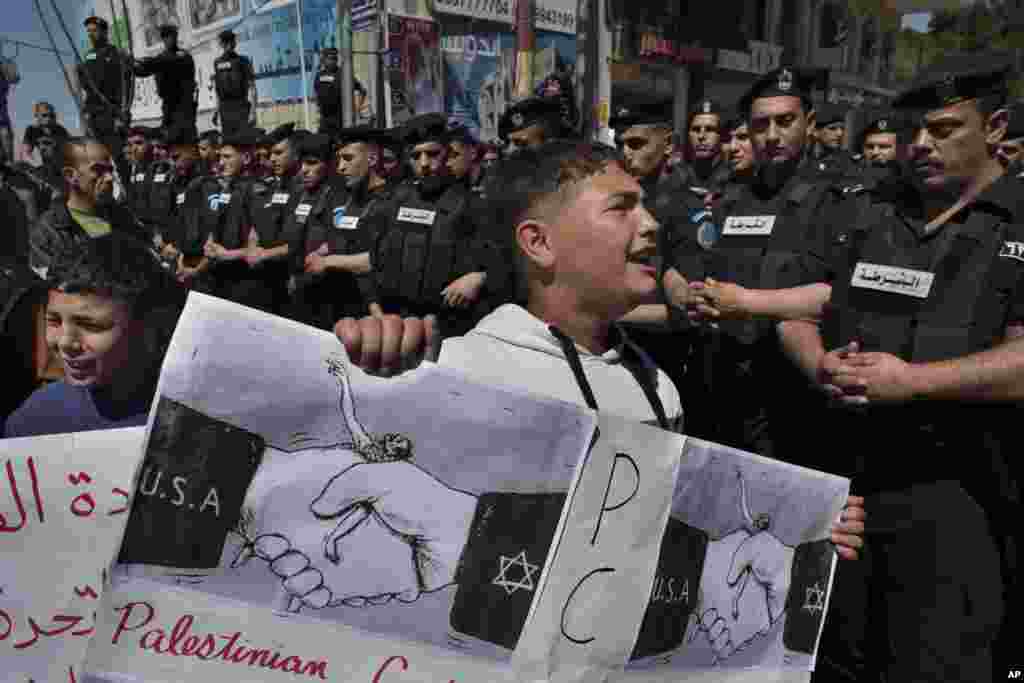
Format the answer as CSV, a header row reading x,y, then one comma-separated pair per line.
x,y
63,506
490,534
414,66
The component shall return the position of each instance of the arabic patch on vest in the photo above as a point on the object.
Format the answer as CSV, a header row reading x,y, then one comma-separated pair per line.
x,y
138,177
327,79
346,222
749,225
302,210
280,198
893,279
159,177
180,199
1014,250
421,216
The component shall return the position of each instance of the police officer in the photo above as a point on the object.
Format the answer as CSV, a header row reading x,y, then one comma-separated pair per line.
x,y
209,151
880,141
531,122
327,88
102,79
737,268
428,255
224,234
464,159
360,157
235,87
328,247
703,170
138,156
175,74
920,345
158,203
829,156
184,196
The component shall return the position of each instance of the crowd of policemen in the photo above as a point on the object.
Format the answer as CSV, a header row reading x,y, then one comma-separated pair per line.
x,y
348,222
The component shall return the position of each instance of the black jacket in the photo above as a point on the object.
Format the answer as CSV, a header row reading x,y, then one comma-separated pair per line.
x,y
56,229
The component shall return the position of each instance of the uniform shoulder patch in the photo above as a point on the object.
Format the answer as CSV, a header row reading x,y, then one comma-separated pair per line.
x,y
1014,250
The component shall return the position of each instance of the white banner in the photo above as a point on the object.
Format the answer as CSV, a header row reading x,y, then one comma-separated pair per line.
x,y
63,507
502,11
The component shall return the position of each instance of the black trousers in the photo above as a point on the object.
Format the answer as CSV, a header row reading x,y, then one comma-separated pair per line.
x,y
926,601
234,115
179,118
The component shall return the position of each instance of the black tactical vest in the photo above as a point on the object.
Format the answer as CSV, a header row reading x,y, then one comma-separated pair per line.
x,y
230,77
328,91
424,246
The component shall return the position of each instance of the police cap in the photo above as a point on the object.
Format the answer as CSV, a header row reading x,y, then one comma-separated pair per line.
x,y
1015,128
706,106
158,136
281,133
788,80
530,112
317,146
182,135
828,113
137,130
210,136
227,36
464,134
99,21
392,139
431,127
364,133
329,51
884,122
167,30
243,138
642,114
955,78
732,119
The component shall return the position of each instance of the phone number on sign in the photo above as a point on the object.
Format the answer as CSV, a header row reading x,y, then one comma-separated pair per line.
x,y
555,17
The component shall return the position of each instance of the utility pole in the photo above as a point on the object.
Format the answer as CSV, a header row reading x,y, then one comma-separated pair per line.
x,y
348,115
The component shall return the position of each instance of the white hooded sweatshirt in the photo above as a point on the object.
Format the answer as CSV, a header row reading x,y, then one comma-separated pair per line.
x,y
511,348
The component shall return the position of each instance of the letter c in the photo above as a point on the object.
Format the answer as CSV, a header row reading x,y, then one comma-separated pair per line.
x,y
383,667
568,603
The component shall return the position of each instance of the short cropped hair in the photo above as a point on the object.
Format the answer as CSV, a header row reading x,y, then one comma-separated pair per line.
x,y
119,266
72,144
521,185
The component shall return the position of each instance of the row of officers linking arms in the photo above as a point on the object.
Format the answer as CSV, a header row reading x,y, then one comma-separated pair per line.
x,y
911,261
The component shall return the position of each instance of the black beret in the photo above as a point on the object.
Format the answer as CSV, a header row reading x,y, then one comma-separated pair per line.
x,y
431,127
1015,128
364,133
733,119
183,135
642,114
211,136
790,80
167,30
530,112
392,139
158,136
884,122
139,130
828,113
329,51
227,36
99,21
318,146
243,138
955,78
281,133
706,106
463,134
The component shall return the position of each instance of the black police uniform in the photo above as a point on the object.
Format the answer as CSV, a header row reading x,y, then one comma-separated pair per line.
x,y
327,87
101,75
741,390
268,203
233,77
160,197
830,164
939,484
175,74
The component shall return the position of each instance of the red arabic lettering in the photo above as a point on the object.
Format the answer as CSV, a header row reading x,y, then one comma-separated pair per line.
x,y
77,479
10,624
86,592
86,499
120,510
181,642
35,635
16,495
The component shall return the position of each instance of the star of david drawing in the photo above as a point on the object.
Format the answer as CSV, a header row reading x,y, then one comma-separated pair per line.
x,y
815,599
513,581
